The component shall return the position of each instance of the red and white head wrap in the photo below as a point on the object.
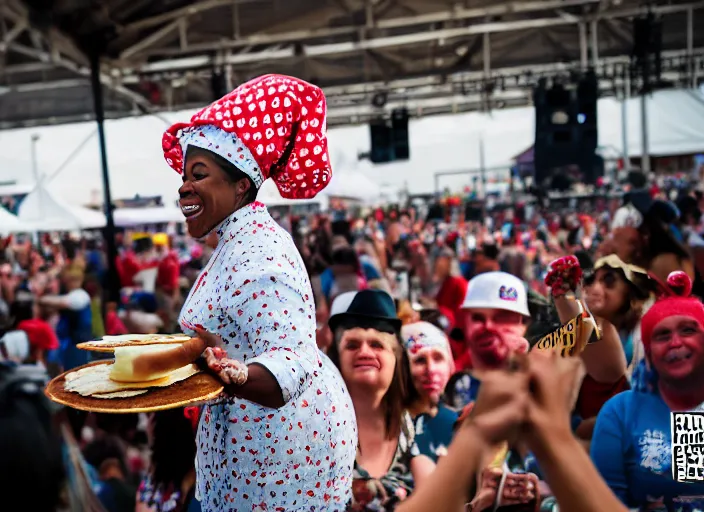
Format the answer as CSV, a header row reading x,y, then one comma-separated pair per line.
x,y
271,127
421,335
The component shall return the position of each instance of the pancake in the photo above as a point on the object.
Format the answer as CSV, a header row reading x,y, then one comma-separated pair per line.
x,y
197,389
109,343
123,394
93,380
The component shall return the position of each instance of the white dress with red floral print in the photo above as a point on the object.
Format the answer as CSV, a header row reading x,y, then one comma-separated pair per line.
x,y
255,293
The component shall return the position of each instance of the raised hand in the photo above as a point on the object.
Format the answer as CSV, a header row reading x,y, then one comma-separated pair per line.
x,y
564,275
501,406
554,384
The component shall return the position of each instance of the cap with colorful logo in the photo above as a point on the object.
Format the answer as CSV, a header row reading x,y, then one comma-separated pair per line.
x,y
497,290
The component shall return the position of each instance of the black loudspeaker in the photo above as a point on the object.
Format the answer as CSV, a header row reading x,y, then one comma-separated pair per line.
x,y
566,133
436,212
647,49
390,139
399,128
381,136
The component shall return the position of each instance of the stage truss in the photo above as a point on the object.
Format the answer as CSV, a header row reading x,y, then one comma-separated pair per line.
x,y
429,56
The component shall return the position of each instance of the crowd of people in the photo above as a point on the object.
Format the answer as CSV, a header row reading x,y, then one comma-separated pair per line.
x,y
389,367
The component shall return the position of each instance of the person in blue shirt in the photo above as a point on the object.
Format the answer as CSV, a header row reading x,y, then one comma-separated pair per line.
x,y
431,366
343,275
75,318
632,446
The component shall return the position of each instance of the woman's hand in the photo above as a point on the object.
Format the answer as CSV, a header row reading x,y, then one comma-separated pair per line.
x,y
230,371
564,275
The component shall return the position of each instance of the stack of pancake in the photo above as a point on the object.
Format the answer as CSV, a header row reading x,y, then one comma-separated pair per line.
x,y
148,373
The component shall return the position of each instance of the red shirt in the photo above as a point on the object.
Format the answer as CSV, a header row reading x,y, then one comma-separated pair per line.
x,y
113,324
128,267
40,334
450,297
168,274
593,395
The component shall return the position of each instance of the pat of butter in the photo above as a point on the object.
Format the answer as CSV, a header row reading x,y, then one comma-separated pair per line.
x,y
123,369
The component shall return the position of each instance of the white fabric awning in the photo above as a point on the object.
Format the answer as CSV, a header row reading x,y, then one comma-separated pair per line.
x,y
45,212
126,217
352,185
270,196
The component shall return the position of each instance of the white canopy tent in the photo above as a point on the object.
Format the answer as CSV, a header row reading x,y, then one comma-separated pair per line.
x,y
352,185
127,217
45,212
11,224
270,196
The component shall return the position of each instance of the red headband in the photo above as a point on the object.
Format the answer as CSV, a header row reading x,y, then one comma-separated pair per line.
x,y
679,303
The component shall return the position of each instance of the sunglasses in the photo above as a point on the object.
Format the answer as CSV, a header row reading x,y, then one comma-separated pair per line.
x,y
609,278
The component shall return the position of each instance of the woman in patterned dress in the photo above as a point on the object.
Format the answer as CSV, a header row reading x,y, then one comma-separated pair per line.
x,y
373,362
283,437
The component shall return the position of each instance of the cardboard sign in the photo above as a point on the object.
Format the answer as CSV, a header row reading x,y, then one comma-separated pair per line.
x,y
571,338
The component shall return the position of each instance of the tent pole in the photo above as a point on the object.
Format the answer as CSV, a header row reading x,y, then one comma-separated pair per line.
x,y
113,279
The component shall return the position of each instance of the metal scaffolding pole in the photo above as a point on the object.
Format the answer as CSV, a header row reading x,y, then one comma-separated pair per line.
x,y
112,286
690,48
583,47
624,121
645,163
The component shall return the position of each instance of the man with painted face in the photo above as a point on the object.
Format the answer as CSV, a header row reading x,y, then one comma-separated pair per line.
x,y
431,366
494,317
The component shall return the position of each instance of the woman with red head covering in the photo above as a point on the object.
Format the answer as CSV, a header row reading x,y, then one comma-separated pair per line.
x,y
284,436
632,446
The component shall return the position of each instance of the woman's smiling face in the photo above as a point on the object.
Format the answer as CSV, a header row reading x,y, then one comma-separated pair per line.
x,y
368,358
208,194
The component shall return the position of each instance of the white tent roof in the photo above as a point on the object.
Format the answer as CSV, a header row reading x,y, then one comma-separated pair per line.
x,y
126,217
45,212
11,224
352,185
270,196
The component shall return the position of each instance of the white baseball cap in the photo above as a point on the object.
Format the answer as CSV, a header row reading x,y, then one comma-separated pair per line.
x,y
497,290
